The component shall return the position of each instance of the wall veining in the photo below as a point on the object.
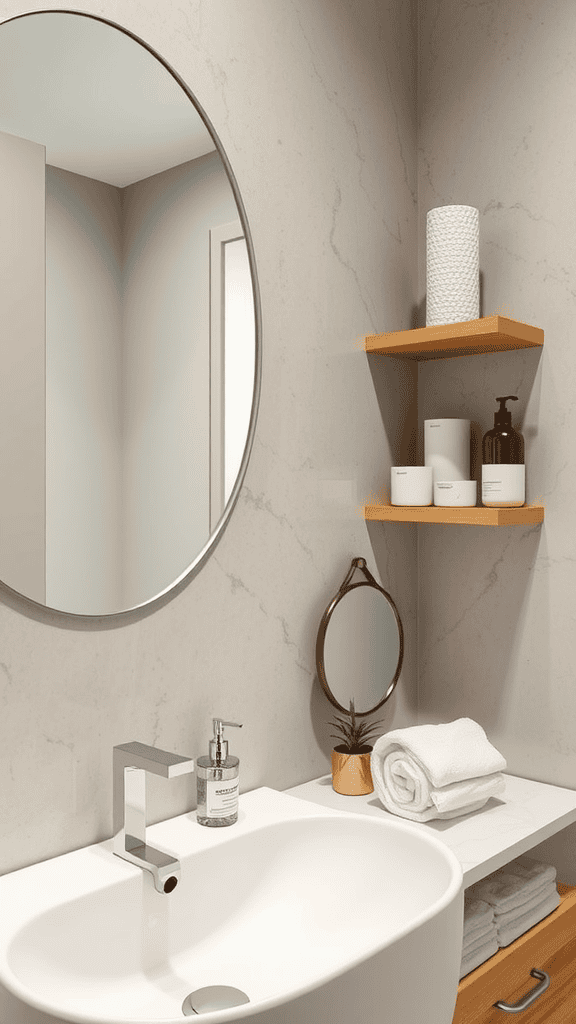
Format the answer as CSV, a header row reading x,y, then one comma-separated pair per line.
x,y
315,104
497,104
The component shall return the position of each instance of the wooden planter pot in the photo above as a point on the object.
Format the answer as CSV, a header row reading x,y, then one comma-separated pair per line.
x,y
351,773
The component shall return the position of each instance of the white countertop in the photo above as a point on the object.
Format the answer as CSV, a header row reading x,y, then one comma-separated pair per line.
x,y
508,825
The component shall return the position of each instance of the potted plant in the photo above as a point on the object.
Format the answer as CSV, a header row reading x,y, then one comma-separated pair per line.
x,y
351,773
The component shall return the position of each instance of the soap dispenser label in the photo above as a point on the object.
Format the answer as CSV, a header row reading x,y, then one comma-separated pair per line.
x,y
222,798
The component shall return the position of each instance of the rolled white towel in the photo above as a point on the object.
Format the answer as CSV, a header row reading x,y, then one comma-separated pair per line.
x,y
460,795
436,771
447,753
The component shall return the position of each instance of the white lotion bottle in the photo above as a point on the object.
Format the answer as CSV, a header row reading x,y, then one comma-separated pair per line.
x,y
218,781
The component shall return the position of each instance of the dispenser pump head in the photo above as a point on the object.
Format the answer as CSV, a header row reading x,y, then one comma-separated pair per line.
x,y
503,416
219,746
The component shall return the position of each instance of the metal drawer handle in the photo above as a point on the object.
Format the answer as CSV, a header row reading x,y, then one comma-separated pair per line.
x,y
527,1001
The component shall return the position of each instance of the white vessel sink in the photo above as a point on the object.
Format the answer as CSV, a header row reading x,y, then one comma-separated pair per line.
x,y
316,915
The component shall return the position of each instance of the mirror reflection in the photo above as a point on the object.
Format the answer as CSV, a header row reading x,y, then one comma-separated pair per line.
x,y
360,645
129,342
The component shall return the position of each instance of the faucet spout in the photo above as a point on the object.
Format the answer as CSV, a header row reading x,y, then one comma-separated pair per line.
x,y
131,762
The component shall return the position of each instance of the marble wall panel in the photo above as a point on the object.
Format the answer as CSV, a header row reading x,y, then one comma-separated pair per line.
x,y
497,104
315,104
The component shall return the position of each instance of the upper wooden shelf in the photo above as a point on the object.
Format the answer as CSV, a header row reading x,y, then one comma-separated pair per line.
x,y
472,337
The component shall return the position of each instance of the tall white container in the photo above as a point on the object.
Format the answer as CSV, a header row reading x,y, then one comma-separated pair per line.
x,y
452,265
447,448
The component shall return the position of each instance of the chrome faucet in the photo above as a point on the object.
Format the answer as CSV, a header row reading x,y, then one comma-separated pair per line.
x,y
131,761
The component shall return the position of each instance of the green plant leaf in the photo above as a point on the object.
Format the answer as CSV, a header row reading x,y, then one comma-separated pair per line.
x,y
354,734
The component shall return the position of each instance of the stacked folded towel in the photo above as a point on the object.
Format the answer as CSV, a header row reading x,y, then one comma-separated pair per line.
x,y
436,771
480,940
520,894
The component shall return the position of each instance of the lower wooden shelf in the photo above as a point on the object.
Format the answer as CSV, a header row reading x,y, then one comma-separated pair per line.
x,y
478,516
550,946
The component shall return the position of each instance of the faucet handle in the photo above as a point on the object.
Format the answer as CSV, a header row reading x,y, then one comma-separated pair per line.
x,y
151,759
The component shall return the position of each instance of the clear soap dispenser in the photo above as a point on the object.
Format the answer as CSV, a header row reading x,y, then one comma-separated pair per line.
x,y
217,781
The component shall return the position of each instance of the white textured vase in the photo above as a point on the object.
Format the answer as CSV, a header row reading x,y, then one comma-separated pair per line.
x,y
452,265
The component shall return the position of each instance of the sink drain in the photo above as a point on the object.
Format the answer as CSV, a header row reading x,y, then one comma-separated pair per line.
x,y
213,997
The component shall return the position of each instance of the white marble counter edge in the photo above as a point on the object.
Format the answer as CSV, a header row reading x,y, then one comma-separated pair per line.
x,y
526,814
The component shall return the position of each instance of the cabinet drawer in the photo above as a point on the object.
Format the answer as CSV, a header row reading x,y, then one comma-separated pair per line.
x,y
549,946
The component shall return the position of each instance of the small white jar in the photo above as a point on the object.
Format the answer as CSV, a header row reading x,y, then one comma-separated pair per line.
x,y
411,485
455,493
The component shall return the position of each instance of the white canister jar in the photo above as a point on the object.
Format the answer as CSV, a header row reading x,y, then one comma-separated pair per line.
x,y
504,485
411,485
455,493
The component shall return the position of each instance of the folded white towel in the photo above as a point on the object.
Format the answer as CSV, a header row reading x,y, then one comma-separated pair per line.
x,y
513,884
502,920
436,771
478,956
506,935
477,914
477,936
470,945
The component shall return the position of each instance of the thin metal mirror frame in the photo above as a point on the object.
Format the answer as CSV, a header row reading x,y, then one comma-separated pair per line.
x,y
346,588
194,567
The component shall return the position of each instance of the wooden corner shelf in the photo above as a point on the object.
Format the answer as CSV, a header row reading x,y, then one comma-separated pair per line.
x,y
527,515
471,337
489,334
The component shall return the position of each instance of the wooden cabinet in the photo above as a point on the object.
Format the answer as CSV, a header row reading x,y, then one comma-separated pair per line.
x,y
549,946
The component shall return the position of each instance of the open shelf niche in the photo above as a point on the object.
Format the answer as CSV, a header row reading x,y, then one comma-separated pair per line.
x,y
489,334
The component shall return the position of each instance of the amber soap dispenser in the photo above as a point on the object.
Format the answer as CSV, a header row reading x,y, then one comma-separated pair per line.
x,y
218,781
503,470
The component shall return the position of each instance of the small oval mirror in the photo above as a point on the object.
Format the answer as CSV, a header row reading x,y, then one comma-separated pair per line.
x,y
360,645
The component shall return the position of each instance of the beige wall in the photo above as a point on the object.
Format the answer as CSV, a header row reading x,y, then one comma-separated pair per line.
x,y
166,221
83,392
22,382
497,109
127,364
327,169
496,607
315,106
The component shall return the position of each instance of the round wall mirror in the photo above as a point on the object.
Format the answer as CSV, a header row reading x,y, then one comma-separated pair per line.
x,y
130,337
360,645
